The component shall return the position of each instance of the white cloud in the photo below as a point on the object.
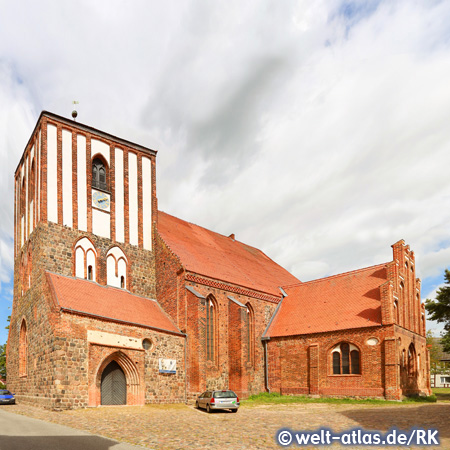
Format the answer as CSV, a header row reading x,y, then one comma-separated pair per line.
x,y
16,122
317,135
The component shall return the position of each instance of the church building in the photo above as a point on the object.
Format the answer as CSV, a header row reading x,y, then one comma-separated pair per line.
x,y
116,302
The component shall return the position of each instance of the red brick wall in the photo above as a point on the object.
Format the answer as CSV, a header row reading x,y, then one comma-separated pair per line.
x,y
303,364
408,297
168,270
419,381
232,370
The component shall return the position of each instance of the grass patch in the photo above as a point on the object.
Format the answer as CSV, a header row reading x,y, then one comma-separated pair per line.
x,y
442,394
417,399
274,398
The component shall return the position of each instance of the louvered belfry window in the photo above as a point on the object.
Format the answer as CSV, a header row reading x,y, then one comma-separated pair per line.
x,y
99,174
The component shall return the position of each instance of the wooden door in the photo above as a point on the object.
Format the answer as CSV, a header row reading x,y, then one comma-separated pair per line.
x,y
114,385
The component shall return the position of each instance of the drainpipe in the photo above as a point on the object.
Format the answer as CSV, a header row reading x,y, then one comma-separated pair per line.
x,y
266,364
265,339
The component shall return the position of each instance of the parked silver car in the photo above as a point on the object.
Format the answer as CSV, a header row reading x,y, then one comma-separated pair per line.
x,y
212,400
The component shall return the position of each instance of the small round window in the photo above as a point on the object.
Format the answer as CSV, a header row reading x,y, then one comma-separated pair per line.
x,y
147,343
372,341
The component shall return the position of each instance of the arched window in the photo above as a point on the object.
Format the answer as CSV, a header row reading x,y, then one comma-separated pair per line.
x,y
99,174
412,360
31,196
211,329
23,349
250,333
28,271
402,314
396,312
22,213
23,273
345,359
85,259
116,268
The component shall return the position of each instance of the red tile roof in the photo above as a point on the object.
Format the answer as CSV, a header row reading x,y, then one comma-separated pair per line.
x,y
216,256
88,297
348,300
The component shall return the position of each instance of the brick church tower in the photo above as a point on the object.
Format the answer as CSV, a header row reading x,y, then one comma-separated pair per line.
x,y
84,310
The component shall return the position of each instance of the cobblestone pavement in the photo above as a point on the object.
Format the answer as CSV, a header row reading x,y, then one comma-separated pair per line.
x,y
253,427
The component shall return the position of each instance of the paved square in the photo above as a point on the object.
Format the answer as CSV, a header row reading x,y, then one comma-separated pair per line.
x,y
253,427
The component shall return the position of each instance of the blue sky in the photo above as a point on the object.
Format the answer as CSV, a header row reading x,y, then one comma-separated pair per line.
x,y
316,131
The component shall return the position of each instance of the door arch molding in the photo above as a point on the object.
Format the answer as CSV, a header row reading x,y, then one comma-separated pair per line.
x,y
134,395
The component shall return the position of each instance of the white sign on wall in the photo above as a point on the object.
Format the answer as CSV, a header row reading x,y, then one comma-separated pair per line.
x,y
167,365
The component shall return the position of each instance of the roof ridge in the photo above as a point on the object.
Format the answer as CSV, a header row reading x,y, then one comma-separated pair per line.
x,y
215,232
336,275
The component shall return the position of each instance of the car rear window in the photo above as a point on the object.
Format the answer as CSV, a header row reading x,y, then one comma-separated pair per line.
x,y
225,394
4,392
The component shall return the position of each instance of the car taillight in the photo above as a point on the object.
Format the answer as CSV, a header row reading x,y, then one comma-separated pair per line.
x,y
212,401
237,399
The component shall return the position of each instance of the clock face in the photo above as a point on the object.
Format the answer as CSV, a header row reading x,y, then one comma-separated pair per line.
x,y
100,200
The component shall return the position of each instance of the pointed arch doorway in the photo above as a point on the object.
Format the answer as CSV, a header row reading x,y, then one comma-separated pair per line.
x,y
113,385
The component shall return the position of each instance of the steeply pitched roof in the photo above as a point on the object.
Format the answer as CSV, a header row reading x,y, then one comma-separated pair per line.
x,y
87,297
348,300
211,254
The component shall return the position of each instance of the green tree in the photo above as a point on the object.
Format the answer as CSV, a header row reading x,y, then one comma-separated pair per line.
x,y
3,361
439,310
435,351
3,355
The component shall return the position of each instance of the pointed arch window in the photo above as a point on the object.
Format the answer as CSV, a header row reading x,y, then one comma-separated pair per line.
x,y
345,359
85,259
22,213
31,197
250,333
116,268
412,360
99,174
211,329
23,349
396,312
402,314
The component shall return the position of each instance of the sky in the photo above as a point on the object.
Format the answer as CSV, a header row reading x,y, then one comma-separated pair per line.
x,y
315,131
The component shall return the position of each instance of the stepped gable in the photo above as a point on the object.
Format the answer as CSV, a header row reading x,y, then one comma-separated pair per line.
x,y
344,301
211,254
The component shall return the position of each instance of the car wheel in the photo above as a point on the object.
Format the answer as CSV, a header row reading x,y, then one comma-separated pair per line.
x,y
234,410
196,405
208,409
